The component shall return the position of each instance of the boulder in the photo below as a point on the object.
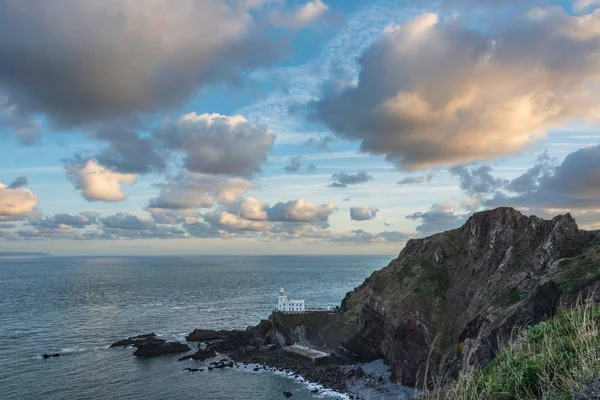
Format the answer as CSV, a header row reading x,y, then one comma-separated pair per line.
x,y
202,335
51,355
287,393
200,355
137,341
159,349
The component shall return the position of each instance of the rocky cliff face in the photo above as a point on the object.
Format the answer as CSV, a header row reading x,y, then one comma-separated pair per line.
x,y
449,300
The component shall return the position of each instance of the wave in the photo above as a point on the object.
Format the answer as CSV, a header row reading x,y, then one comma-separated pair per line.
x,y
323,392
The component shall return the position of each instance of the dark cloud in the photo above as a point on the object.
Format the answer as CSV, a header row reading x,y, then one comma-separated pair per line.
x,y
294,166
321,143
75,221
217,144
410,180
573,184
528,181
363,213
437,92
128,152
19,182
133,227
441,217
477,180
311,168
26,128
87,61
342,179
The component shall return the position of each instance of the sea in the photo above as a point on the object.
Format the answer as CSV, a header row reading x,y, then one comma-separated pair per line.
x,y
78,306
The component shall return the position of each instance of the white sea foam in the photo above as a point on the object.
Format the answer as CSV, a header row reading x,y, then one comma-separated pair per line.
x,y
322,391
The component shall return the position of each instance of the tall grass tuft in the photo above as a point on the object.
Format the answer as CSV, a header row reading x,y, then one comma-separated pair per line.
x,y
550,360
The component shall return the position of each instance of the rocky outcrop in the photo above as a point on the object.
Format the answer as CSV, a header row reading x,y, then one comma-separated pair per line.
x,y
450,300
203,335
155,349
137,341
200,355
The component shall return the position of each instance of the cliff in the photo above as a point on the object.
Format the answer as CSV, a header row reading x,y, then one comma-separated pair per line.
x,y
450,300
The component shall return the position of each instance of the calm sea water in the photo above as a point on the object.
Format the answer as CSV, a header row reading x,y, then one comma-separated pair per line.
x,y
77,306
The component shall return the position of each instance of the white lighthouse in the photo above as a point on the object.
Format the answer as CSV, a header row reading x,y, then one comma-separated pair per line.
x,y
286,305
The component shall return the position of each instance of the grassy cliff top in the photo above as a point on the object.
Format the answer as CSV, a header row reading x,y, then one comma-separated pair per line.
x,y
550,360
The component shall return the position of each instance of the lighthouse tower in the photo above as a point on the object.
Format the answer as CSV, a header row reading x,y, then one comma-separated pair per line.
x,y
285,305
282,299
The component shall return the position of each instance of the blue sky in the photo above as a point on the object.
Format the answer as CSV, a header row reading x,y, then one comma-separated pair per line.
x,y
199,126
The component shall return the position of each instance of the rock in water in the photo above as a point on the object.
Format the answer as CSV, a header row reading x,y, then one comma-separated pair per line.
x,y
288,394
202,335
200,355
138,341
159,349
51,355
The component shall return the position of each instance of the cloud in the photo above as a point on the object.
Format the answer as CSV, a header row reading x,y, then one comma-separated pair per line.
x,y
180,197
360,236
226,220
300,211
130,226
305,15
412,180
25,127
250,208
16,201
544,168
441,217
582,5
127,151
113,58
294,166
477,180
436,92
66,220
217,144
19,182
342,179
363,213
574,184
321,143
96,182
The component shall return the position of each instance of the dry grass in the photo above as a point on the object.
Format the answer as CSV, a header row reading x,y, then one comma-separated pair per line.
x,y
550,360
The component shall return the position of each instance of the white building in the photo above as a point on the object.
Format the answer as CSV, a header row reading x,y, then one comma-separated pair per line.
x,y
289,305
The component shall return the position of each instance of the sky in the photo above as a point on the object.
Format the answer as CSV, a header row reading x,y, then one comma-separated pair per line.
x,y
290,127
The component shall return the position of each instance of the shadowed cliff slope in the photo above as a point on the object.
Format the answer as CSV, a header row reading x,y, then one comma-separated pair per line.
x,y
451,299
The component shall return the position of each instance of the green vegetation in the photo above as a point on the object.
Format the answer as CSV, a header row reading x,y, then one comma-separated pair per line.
x,y
550,360
572,274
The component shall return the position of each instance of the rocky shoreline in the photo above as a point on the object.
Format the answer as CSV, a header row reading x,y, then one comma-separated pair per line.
x,y
260,348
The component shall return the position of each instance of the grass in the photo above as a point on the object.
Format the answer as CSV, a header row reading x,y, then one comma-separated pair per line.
x,y
550,360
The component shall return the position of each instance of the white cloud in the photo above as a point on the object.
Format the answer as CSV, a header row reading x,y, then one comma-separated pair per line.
x,y
17,201
98,183
434,91
300,211
305,15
